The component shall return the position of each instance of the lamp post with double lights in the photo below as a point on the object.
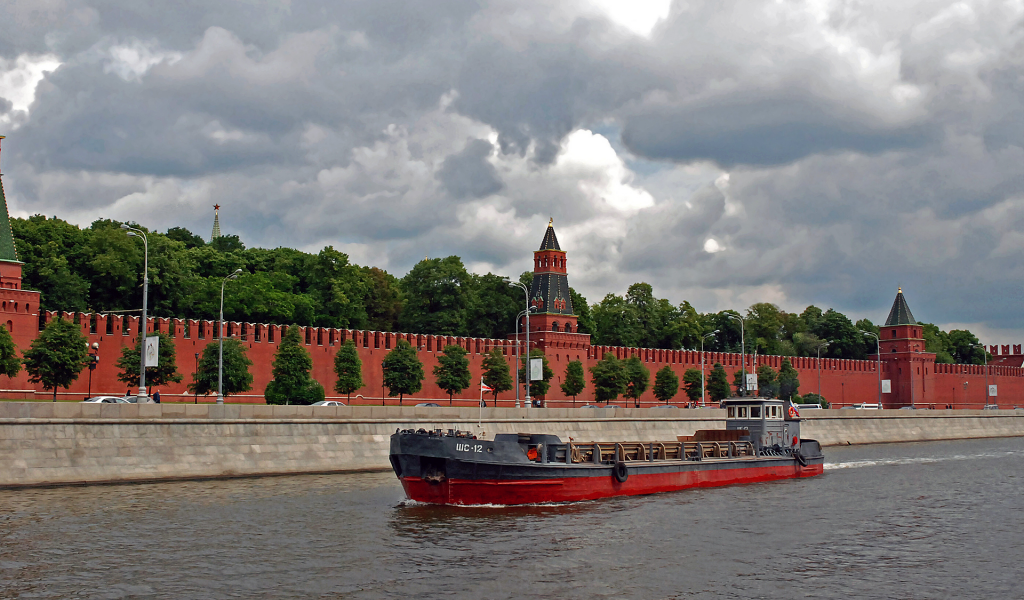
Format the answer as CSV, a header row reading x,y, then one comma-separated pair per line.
x,y
519,316
195,397
220,355
878,368
133,232
94,359
703,389
526,293
743,350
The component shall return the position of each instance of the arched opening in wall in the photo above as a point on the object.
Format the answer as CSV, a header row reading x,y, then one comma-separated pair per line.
x,y
10,326
5,306
15,307
26,307
554,326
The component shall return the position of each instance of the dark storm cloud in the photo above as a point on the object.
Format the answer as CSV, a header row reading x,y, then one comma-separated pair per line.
x,y
468,174
758,130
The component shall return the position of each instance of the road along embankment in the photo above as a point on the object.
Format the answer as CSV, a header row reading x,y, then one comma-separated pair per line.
x,y
73,443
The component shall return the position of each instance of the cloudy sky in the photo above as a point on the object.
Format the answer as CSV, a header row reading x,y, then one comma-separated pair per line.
x,y
725,151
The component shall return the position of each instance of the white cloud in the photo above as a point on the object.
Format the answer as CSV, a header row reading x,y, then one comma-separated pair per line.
x,y
638,16
133,60
20,76
711,246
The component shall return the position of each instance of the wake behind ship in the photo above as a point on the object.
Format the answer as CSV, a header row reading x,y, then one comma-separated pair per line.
x,y
761,442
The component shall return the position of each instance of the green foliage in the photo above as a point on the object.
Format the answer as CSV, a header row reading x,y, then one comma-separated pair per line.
x,y
575,379
496,375
237,378
965,348
692,384
609,378
788,380
584,320
638,378
718,384
437,297
57,356
539,388
292,383
349,369
452,370
666,384
403,371
767,382
165,372
812,398
739,382
10,364
937,341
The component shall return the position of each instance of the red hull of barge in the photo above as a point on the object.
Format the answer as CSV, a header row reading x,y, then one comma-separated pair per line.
x,y
572,489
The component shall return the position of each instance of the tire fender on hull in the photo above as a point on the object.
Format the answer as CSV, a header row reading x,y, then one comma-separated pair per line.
x,y
620,472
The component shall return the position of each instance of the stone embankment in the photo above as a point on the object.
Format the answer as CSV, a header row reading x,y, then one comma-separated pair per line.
x,y
73,443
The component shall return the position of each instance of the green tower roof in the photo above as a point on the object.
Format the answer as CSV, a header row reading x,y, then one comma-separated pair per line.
x,y
7,250
900,313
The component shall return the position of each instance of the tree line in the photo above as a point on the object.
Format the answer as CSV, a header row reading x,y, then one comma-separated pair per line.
x,y
99,269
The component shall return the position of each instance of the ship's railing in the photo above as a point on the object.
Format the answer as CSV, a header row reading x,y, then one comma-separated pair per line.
x,y
612,452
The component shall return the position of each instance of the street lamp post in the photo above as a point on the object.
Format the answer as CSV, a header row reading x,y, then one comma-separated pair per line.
x,y
94,357
195,398
820,346
133,232
220,355
519,316
526,292
878,368
743,351
703,389
988,395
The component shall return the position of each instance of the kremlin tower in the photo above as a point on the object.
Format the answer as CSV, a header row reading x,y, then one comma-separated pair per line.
x,y
553,322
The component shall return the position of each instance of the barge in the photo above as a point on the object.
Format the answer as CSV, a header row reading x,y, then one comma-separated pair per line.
x,y
761,442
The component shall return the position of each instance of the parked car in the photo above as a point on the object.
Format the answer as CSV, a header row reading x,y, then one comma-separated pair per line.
x,y
328,403
108,399
665,406
866,406
990,407
908,408
428,404
807,406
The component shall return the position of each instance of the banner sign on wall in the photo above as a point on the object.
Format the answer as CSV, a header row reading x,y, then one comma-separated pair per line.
x,y
152,352
751,382
886,386
536,369
991,390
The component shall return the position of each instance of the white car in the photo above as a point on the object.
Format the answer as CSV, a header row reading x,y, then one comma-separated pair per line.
x,y
328,403
107,400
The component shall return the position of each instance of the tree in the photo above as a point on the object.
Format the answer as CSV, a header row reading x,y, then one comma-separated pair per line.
x,y
538,388
739,382
291,383
452,370
963,345
609,378
237,378
812,398
575,380
718,384
10,364
403,371
693,385
638,377
767,384
349,369
437,297
666,384
788,380
496,373
164,373
57,356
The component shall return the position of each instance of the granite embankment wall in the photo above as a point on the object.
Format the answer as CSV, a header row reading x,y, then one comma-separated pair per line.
x,y
69,443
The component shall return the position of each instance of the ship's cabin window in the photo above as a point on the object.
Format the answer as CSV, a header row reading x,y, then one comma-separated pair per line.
x,y
755,412
741,412
732,412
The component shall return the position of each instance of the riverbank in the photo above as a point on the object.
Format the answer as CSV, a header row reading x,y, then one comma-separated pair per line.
x,y
76,443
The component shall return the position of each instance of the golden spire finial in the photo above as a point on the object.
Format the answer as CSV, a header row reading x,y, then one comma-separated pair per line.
x,y
551,221
899,290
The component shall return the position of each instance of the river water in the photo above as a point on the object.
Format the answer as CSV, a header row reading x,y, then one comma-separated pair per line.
x,y
925,520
